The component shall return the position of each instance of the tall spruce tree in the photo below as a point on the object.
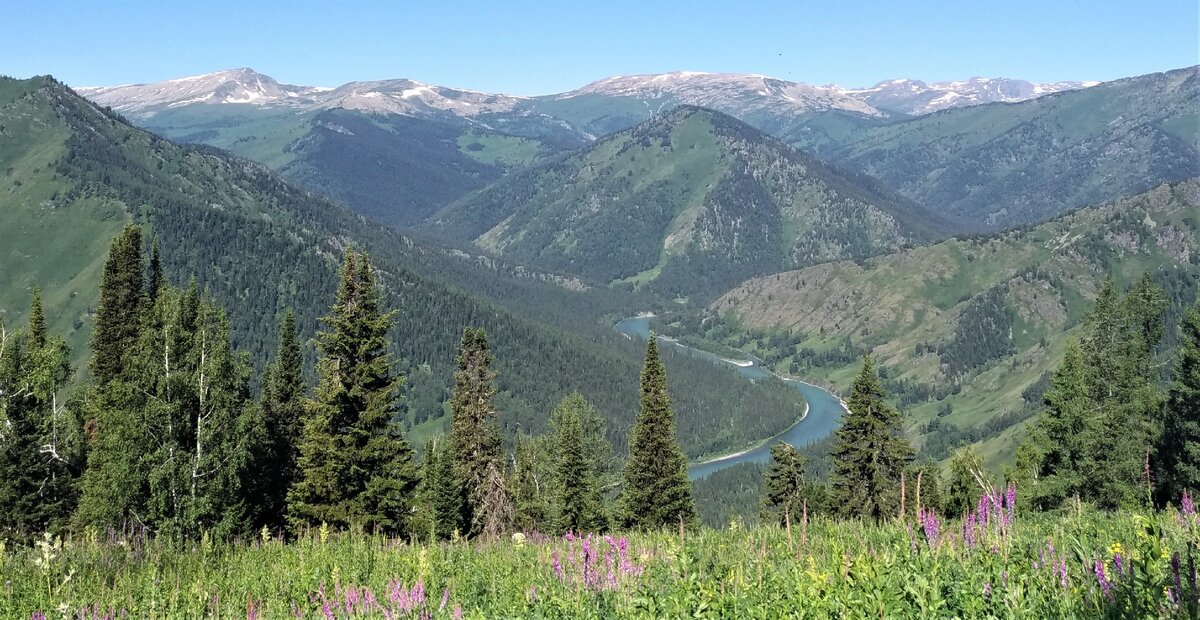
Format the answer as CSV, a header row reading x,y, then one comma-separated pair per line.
x,y
785,486
355,467
1179,445
579,505
119,312
155,279
439,501
1103,413
869,453
282,410
474,432
657,491
112,486
40,443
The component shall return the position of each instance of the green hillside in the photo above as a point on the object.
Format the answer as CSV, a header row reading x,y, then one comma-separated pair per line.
x,y
687,203
1001,165
395,169
77,174
967,328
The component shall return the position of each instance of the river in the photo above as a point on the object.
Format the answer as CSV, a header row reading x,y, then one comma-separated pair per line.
x,y
823,415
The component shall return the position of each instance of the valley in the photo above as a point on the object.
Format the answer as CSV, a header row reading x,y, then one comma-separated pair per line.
x,y
838,326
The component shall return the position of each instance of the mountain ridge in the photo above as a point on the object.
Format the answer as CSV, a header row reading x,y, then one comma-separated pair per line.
x,y
691,200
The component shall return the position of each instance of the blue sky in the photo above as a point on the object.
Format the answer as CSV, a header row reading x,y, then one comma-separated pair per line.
x,y
529,48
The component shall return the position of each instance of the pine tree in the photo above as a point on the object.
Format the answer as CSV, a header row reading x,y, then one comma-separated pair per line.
x,y
785,486
37,321
439,501
113,486
40,442
579,505
1179,446
1103,412
355,467
474,434
118,314
596,447
870,453
155,280
657,491
282,410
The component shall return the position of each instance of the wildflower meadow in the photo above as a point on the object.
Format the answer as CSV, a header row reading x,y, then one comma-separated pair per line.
x,y
994,563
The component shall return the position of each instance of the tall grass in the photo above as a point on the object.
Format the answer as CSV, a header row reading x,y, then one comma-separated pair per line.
x,y
995,563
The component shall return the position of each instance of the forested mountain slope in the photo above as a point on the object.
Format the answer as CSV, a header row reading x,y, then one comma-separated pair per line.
x,y
76,175
1005,164
689,202
967,328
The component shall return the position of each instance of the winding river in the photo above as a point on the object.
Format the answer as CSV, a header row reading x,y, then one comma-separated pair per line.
x,y
821,417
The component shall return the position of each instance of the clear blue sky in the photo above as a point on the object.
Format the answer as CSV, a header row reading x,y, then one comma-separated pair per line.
x,y
530,48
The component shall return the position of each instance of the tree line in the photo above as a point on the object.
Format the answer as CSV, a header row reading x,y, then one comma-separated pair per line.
x,y
168,438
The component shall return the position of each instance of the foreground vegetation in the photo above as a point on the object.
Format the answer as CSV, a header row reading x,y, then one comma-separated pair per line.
x,y
1079,563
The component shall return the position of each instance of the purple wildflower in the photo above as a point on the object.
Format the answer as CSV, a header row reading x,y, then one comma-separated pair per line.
x,y
457,614
1004,579
558,571
445,599
1011,500
1118,565
1062,567
987,589
1102,579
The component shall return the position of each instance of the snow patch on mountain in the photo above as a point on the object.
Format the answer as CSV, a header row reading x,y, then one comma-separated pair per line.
x,y
915,97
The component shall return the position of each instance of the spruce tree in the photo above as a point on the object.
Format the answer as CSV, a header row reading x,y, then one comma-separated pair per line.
x,y
596,447
657,491
474,433
118,314
785,486
869,453
1103,413
37,321
282,410
40,443
1179,446
579,505
155,279
355,467
113,485
439,502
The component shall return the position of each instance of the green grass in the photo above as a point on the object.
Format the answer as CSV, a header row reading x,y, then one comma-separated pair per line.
x,y
1041,566
245,130
39,220
498,149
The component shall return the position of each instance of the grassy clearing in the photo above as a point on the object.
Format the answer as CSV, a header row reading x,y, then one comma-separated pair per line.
x,y
1037,566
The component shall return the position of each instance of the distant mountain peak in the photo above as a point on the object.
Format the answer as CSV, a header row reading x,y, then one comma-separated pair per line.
x,y
732,93
914,97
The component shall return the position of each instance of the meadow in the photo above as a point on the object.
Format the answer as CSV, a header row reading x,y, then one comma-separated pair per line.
x,y
995,563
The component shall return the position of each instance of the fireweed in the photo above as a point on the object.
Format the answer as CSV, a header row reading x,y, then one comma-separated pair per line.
x,y
997,561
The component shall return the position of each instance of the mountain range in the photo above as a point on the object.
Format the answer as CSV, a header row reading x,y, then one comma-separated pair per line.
x,y
733,93
688,203
992,153
76,174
